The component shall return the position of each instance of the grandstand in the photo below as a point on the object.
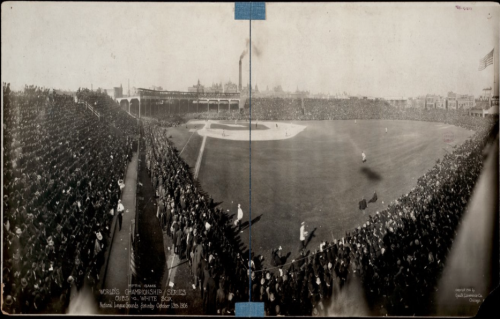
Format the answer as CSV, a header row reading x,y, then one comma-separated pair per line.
x,y
56,198
60,231
151,103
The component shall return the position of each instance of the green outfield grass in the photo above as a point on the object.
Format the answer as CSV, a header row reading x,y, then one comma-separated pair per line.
x,y
318,176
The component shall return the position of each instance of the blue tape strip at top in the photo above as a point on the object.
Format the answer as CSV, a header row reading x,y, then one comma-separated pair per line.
x,y
250,11
249,309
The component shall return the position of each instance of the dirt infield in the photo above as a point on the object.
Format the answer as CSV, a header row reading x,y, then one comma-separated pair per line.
x,y
275,131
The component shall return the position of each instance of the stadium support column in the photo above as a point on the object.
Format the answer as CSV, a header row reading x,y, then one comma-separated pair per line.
x,y
218,105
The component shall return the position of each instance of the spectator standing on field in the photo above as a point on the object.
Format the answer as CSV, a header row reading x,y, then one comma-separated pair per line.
x,y
120,209
303,234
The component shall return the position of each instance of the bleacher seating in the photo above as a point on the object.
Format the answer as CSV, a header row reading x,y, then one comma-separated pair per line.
x,y
61,172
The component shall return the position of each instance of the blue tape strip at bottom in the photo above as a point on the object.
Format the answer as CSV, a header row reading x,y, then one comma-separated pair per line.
x,y
249,309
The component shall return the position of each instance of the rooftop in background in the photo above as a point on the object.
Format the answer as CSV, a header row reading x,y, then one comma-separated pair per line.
x,y
179,94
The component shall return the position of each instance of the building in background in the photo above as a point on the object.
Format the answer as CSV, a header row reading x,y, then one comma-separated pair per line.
x,y
230,87
417,102
115,93
456,101
433,101
134,91
198,88
451,101
466,101
487,94
339,96
246,89
400,102
215,88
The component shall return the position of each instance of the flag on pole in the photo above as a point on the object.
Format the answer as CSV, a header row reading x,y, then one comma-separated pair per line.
x,y
487,60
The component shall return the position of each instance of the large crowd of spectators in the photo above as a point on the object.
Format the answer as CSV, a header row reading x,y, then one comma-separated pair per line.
x,y
289,109
350,109
201,232
62,165
222,116
397,256
57,204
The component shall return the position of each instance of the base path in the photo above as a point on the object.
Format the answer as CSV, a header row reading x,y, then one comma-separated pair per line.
x,y
118,265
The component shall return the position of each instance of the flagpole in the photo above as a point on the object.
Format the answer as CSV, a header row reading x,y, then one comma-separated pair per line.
x,y
495,71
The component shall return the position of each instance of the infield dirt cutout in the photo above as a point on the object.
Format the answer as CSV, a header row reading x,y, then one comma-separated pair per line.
x,y
275,131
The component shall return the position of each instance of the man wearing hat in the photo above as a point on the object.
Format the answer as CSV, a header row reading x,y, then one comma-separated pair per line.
x,y
99,249
178,242
277,258
120,210
220,301
239,217
189,244
49,248
303,235
24,296
16,242
33,274
362,205
8,307
197,257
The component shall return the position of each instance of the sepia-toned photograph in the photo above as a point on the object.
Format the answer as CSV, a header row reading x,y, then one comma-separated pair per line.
x,y
249,159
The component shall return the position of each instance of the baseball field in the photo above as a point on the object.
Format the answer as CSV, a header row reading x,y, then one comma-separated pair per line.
x,y
310,171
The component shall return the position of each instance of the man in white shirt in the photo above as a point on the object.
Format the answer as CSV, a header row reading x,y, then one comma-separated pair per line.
x,y
240,217
364,156
120,210
303,235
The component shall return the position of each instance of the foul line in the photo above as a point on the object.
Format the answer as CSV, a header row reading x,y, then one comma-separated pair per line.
x,y
200,155
187,143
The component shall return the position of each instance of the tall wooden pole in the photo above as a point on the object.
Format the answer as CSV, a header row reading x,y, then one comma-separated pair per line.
x,y
496,53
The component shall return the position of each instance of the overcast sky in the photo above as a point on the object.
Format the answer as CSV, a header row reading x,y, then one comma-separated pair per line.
x,y
370,49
